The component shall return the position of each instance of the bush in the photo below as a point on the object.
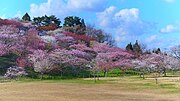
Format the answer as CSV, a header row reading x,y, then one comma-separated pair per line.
x,y
15,71
31,73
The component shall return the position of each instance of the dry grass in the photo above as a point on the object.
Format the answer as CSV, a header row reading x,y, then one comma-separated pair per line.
x,y
115,89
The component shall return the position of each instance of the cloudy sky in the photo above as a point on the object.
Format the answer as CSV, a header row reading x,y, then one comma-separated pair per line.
x,y
153,22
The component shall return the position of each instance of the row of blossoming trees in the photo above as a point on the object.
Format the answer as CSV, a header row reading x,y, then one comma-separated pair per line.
x,y
63,52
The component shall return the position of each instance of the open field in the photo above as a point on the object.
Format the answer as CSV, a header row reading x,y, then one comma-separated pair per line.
x,y
107,89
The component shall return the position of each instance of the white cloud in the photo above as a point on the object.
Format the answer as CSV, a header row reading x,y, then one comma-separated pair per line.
x,y
170,1
126,24
89,5
64,7
170,29
3,16
51,7
106,16
18,14
151,38
128,15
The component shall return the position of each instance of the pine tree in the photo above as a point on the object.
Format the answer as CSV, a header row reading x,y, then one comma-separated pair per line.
x,y
129,47
137,48
26,17
74,24
46,20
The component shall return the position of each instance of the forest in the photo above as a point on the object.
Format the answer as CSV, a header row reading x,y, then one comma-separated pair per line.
x,y
44,47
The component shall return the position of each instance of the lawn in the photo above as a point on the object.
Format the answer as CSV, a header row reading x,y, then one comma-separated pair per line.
x,y
129,88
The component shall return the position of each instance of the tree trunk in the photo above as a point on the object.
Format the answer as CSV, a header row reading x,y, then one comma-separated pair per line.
x,y
61,73
94,76
104,73
140,74
173,72
41,76
156,80
98,75
143,75
165,74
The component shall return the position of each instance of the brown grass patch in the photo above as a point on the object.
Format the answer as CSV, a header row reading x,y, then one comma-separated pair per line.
x,y
117,89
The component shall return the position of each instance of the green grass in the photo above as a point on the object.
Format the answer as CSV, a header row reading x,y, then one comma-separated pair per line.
x,y
133,82
117,73
168,86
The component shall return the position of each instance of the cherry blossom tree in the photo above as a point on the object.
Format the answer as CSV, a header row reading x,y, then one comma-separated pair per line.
x,y
78,56
15,72
9,43
111,57
159,63
41,61
3,49
171,63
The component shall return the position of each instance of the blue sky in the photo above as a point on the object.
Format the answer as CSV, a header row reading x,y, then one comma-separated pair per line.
x,y
153,22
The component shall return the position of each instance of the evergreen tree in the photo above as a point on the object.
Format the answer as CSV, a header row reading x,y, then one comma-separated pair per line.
x,y
26,17
129,47
74,24
46,20
68,22
137,48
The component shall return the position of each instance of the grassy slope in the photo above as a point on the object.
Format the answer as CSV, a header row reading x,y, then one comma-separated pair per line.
x,y
107,89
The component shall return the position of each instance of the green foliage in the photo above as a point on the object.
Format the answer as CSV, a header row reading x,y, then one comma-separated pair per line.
x,y
74,24
129,47
6,62
75,72
31,73
137,47
26,17
169,86
46,20
116,73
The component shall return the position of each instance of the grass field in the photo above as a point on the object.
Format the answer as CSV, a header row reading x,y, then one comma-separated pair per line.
x,y
107,89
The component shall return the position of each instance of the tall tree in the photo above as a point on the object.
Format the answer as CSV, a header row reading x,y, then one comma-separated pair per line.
x,y
26,17
100,35
129,47
74,24
110,57
46,20
137,48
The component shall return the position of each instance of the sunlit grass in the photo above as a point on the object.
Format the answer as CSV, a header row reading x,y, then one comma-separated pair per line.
x,y
126,88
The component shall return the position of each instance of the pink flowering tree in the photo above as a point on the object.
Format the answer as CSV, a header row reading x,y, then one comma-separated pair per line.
x,y
8,43
83,55
110,57
15,71
62,59
3,49
158,63
77,57
41,61
171,63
